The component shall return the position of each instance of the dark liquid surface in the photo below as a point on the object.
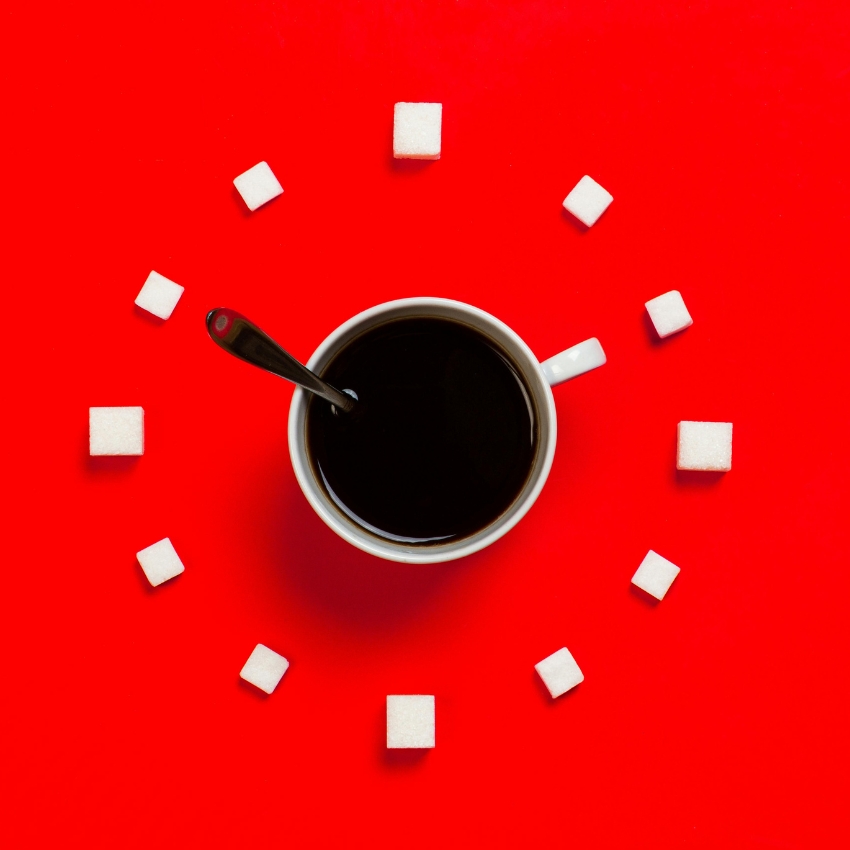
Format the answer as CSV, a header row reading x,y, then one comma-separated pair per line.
x,y
444,438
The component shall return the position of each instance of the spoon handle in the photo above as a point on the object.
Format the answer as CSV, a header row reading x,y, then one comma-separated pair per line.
x,y
243,339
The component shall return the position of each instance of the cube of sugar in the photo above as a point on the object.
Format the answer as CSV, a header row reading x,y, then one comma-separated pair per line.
x,y
705,446
258,185
655,575
160,562
116,431
264,668
668,313
410,722
559,672
417,130
587,201
159,295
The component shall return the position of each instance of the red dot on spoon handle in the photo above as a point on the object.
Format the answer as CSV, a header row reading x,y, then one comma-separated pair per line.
x,y
223,321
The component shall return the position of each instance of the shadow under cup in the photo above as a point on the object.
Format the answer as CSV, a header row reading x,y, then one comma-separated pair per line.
x,y
535,383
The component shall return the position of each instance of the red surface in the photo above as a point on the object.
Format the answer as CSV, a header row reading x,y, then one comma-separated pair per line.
x,y
716,718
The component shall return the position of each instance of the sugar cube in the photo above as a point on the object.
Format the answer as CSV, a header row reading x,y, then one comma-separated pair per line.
x,y
116,431
159,295
559,672
574,361
704,446
258,185
160,562
668,313
264,668
655,575
587,201
410,722
417,130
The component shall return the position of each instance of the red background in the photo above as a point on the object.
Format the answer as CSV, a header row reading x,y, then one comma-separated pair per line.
x,y
715,718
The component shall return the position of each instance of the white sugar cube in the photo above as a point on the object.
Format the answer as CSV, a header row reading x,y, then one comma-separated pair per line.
x,y
417,130
655,575
258,185
159,295
669,313
559,672
587,201
706,446
160,562
410,722
264,668
574,361
116,431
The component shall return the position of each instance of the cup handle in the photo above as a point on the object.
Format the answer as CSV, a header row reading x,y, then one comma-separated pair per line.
x,y
573,362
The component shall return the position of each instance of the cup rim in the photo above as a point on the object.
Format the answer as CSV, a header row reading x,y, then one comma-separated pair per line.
x,y
373,545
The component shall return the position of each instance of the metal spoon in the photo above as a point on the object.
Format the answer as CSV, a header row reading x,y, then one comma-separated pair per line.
x,y
243,339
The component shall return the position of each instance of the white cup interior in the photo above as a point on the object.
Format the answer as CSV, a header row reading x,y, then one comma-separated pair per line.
x,y
542,399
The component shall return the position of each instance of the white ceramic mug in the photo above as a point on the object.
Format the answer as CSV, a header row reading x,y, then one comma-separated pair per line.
x,y
539,378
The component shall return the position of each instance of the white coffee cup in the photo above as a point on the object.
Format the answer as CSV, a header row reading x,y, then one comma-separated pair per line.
x,y
539,378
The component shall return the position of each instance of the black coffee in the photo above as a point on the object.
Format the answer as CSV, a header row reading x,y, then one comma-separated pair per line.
x,y
444,437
